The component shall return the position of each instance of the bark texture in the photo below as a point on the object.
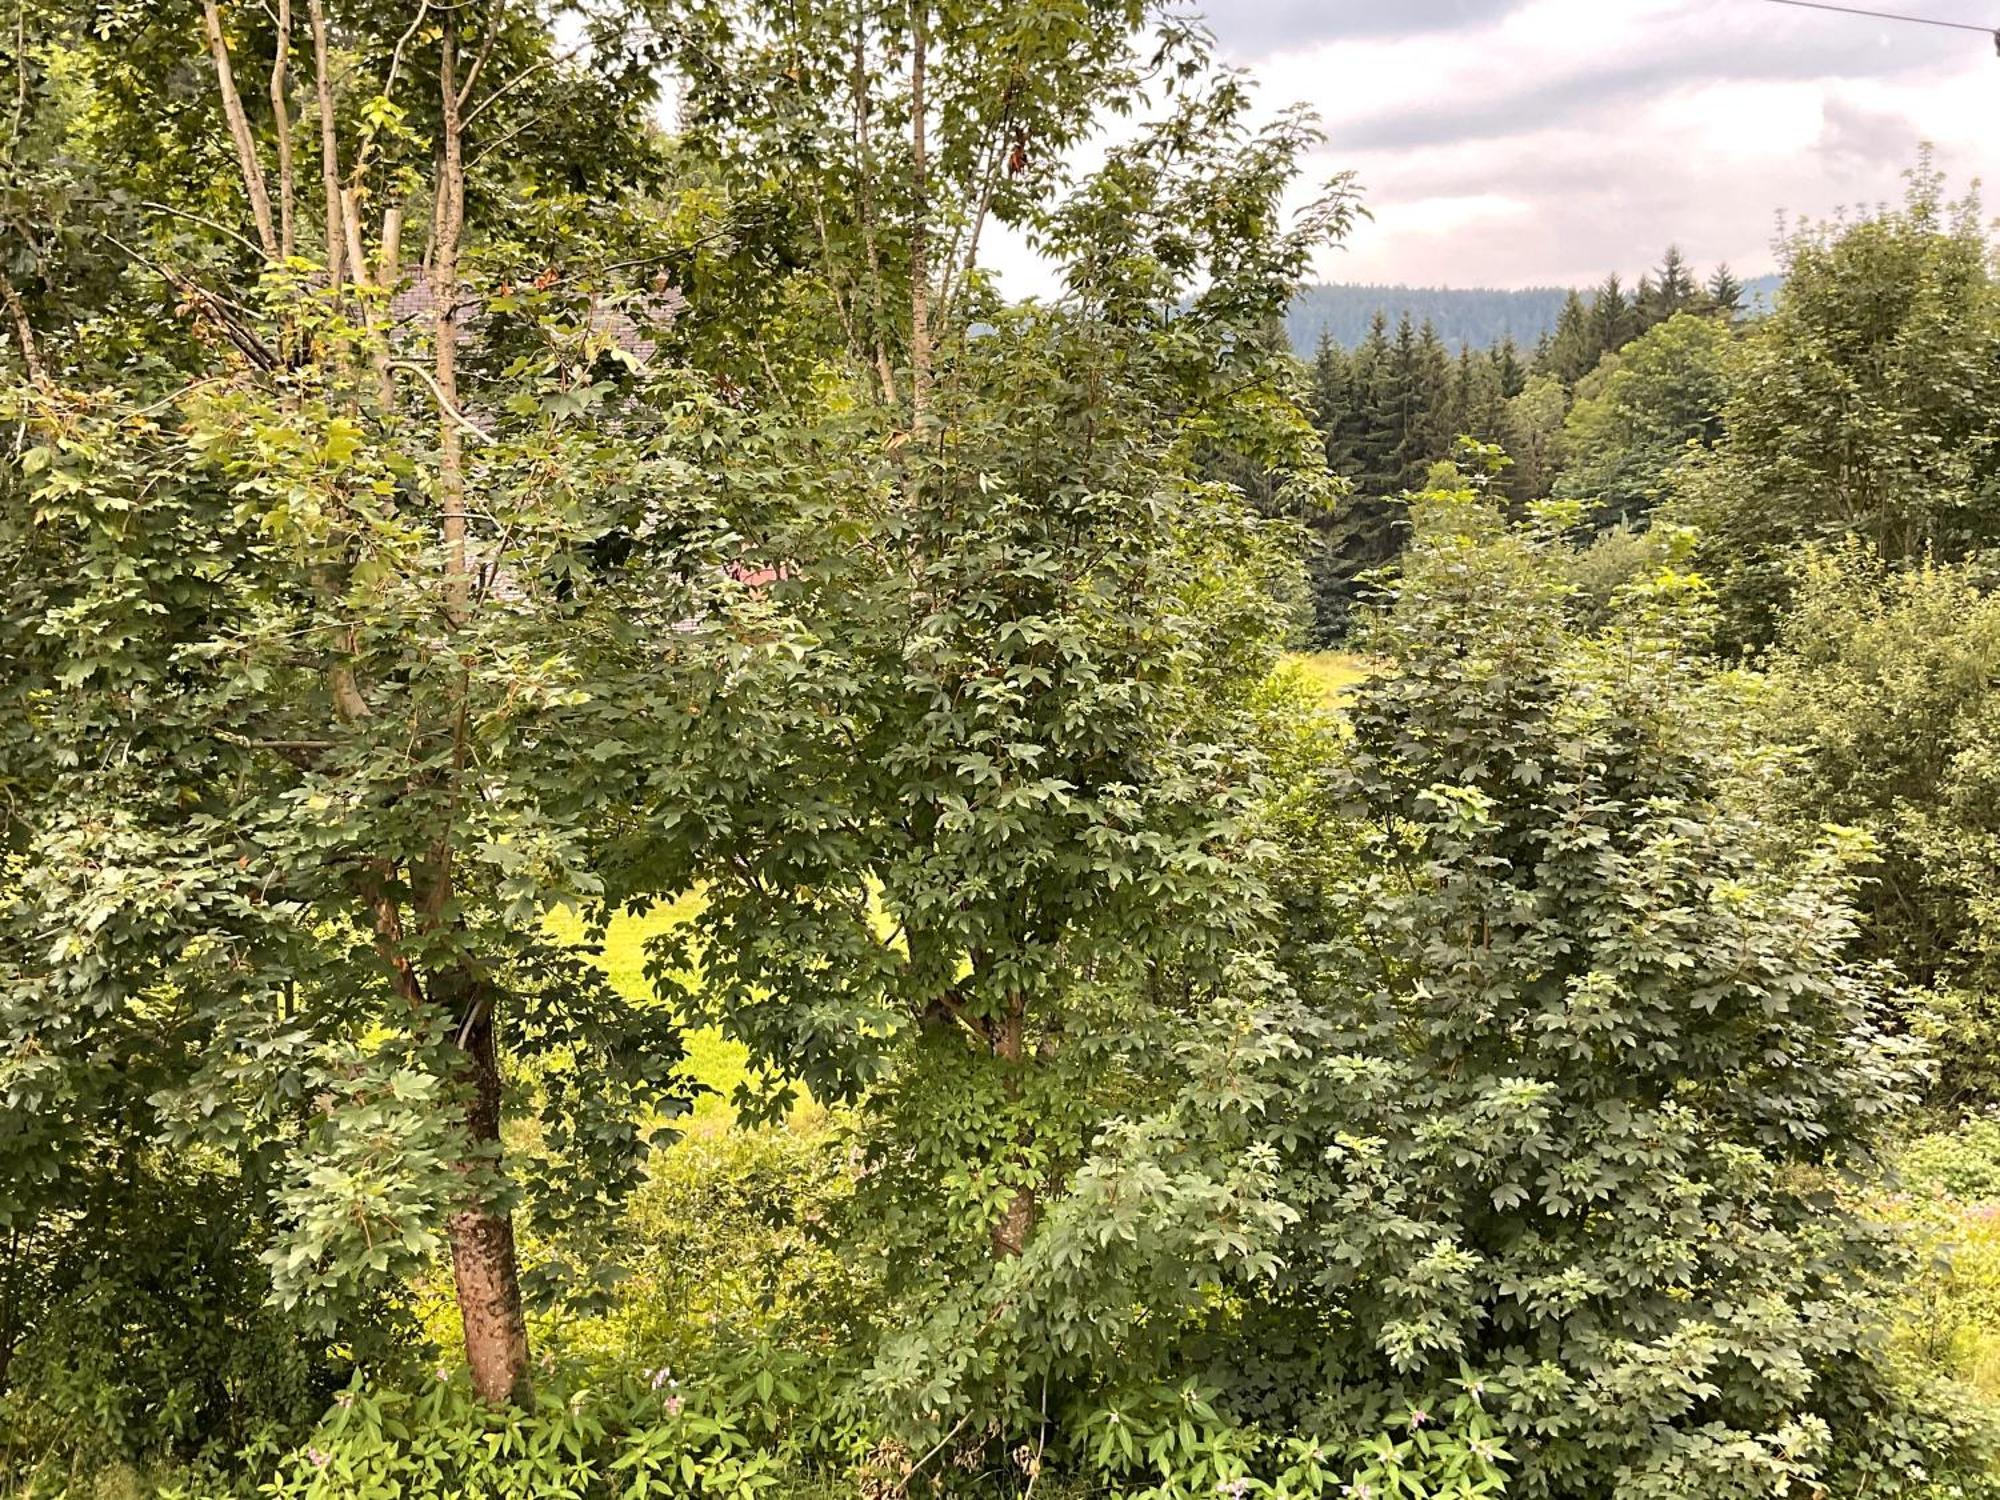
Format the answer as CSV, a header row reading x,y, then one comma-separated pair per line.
x,y
485,1269
1017,1219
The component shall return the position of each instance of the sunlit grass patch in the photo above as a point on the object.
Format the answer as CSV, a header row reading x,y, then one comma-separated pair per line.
x,y
712,1059
1333,674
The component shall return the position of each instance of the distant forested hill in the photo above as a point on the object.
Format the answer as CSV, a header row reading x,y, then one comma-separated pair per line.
x,y
1479,316
1760,293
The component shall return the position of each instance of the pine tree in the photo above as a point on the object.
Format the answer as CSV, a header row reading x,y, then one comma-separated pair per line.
x,y
1376,402
1724,293
1569,353
1612,323
1675,287
1334,406
1403,404
1435,426
1479,400
1365,445
1458,410
1507,365
1647,303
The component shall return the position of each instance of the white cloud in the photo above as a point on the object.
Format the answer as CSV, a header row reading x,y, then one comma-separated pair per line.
x,y
1549,141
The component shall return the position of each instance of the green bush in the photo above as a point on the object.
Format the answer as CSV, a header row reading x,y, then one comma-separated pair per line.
x,y
144,1333
732,1236
1887,681
622,1437
1613,560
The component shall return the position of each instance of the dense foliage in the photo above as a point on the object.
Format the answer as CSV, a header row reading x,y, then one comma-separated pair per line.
x,y
1863,407
1590,1063
663,848
1889,681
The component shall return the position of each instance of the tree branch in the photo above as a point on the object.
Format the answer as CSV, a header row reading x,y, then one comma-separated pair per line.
x,y
329,146
239,129
24,333
465,423
194,218
234,329
281,110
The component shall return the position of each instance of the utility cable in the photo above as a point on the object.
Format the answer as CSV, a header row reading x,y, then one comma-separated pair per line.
x,y
1884,15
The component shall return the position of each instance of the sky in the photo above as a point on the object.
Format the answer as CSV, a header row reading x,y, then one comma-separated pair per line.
x,y
1545,142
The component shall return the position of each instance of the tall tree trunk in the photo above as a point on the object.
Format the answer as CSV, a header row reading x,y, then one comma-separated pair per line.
x,y
483,1261
24,332
329,146
282,113
485,1270
920,288
239,129
885,368
1017,1219
447,226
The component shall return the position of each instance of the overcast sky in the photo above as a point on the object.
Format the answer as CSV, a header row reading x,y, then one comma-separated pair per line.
x,y
1545,142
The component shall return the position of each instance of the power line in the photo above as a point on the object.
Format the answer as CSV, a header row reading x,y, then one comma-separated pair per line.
x,y
1884,15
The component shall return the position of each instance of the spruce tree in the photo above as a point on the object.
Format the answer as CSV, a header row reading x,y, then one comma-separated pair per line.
x,y
1724,293
1334,407
1674,286
1569,353
1376,403
1435,426
1403,405
1647,303
1479,400
1612,323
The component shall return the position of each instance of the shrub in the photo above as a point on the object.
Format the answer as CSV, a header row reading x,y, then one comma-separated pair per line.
x,y
1888,682
1571,1088
146,1334
733,1240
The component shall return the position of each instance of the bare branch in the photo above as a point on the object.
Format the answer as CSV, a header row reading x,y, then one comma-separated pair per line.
x,y
445,405
239,129
24,333
217,307
194,218
533,70
281,110
329,145
485,51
